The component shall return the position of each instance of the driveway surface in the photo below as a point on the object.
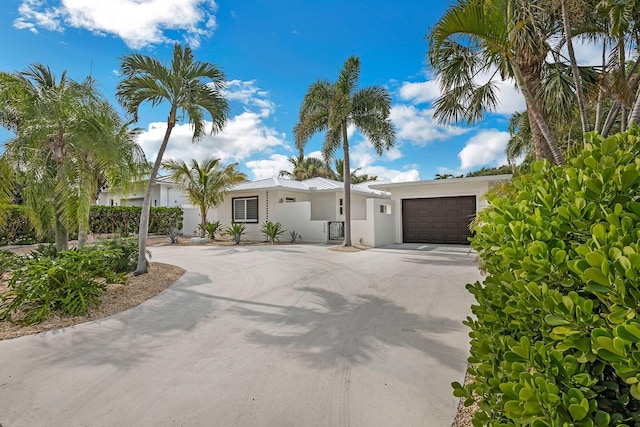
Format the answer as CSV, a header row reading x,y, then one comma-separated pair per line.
x,y
260,336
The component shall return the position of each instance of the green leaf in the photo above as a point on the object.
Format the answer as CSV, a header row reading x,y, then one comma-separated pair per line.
x,y
577,412
553,320
596,275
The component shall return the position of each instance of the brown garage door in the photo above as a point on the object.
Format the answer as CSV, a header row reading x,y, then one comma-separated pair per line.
x,y
438,219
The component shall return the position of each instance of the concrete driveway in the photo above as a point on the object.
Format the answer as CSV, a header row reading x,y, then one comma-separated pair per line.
x,y
260,336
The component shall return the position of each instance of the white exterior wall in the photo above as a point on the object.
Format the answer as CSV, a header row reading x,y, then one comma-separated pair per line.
x,y
224,212
324,206
378,229
191,219
359,210
297,217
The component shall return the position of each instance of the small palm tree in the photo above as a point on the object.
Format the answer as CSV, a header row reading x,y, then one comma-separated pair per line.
x,y
205,183
332,107
190,88
307,167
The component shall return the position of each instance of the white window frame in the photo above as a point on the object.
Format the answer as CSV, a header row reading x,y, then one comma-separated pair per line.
x,y
244,200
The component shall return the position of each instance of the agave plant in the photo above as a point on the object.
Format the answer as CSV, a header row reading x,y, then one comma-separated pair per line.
x,y
236,230
272,230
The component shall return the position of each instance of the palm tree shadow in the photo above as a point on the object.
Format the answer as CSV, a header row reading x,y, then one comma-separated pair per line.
x,y
337,328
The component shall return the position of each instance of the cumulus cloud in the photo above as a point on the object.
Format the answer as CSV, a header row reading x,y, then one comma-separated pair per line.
x,y
486,148
418,127
392,175
509,97
419,92
250,95
137,22
267,168
243,136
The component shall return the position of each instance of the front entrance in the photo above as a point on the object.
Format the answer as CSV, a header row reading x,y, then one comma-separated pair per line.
x,y
438,219
336,230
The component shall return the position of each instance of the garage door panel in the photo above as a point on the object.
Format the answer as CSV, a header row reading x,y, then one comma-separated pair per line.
x,y
438,220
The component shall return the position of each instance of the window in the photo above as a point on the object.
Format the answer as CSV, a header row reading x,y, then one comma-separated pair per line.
x,y
245,209
341,207
289,199
385,209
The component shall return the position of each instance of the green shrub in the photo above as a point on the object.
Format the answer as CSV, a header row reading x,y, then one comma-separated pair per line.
x,y
68,283
272,231
120,254
18,229
125,220
211,229
8,261
236,230
556,334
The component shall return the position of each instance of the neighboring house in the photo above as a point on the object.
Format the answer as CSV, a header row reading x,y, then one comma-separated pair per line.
x,y
440,210
434,211
314,208
165,193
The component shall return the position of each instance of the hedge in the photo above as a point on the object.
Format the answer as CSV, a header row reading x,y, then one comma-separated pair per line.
x,y
555,338
103,220
17,229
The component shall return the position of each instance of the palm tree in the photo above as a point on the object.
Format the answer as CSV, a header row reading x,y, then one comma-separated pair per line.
x,y
354,179
183,86
331,107
505,37
205,183
307,167
51,121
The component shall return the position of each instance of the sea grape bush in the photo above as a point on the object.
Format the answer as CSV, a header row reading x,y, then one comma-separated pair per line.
x,y
555,337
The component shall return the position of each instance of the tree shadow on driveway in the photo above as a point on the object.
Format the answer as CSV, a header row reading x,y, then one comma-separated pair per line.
x,y
353,330
131,337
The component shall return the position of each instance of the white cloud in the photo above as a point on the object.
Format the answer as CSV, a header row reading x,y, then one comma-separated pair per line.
x,y
249,95
267,168
392,175
137,22
419,127
419,92
243,136
510,100
486,148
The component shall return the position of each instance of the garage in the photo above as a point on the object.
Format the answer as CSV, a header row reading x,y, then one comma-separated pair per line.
x,y
437,219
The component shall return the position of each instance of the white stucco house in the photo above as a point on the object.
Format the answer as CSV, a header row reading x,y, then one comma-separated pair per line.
x,y
431,211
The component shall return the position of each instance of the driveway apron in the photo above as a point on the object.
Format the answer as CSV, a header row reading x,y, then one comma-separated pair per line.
x,y
285,335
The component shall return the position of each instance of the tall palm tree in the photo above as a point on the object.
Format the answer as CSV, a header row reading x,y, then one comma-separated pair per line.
x,y
50,118
331,107
505,37
190,88
205,183
307,167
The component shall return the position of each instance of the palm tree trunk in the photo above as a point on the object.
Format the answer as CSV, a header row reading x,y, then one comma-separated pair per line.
x,y
634,117
346,175
611,118
600,88
529,84
203,220
143,229
574,68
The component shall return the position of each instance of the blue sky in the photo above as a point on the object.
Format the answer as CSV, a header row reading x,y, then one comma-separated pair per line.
x,y
270,51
